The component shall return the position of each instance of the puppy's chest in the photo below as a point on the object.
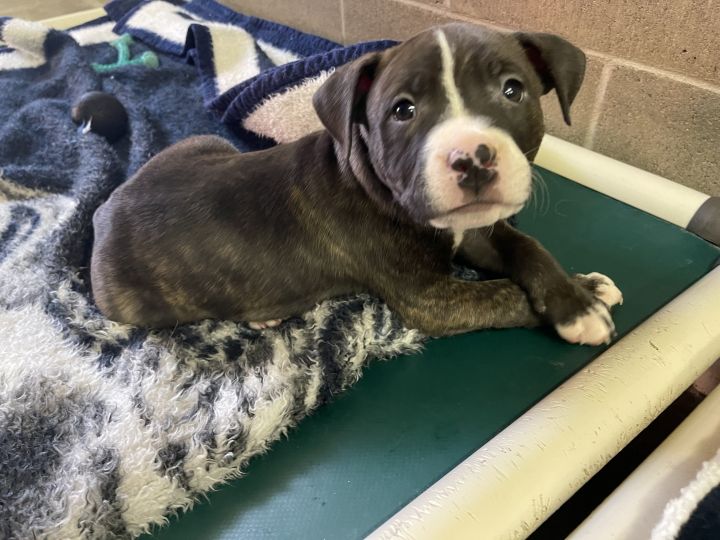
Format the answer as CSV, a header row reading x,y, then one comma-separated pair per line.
x,y
457,238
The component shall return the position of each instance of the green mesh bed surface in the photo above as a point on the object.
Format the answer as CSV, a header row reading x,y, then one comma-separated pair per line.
x,y
408,421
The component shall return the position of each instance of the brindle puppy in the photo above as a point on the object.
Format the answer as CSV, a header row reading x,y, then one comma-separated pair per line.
x,y
424,156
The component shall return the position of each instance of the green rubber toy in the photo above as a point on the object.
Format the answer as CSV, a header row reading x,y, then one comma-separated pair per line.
x,y
148,59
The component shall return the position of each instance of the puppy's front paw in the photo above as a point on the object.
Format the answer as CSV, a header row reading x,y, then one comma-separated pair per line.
x,y
604,289
593,327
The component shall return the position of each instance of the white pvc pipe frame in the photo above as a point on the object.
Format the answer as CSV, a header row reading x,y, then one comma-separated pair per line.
x,y
63,22
654,194
510,485
637,505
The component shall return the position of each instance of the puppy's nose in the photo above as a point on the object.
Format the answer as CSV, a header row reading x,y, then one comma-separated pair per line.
x,y
485,154
476,171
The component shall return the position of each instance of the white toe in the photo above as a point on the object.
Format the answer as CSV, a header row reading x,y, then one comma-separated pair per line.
x,y
262,325
592,328
606,291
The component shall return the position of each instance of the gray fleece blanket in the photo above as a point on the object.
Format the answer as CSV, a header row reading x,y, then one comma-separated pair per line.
x,y
106,429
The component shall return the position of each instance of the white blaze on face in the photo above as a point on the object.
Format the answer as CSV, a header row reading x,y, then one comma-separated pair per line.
x,y
460,133
457,107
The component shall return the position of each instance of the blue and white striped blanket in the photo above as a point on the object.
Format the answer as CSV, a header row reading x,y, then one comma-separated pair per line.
x,y
105,429
256,75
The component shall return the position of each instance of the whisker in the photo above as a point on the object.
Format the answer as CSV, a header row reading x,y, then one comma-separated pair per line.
x,y
546,193
530,201
531,151
533,197
546,190
541,190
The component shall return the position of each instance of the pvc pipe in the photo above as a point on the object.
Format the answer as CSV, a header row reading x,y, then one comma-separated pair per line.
x,y
654,194
64,22
637,505
515,481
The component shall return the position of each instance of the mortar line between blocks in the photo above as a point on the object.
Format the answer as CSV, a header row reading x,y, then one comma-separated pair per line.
x,y
657,71
605,75
445,10
342,23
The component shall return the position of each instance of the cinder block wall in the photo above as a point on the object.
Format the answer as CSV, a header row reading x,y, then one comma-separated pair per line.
x,y
34,10
651,96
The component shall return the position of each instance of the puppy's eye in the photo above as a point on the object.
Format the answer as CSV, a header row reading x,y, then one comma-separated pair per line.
x,y
513,90
404,110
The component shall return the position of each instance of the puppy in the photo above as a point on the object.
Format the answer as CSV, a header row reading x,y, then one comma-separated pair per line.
x,y
424,156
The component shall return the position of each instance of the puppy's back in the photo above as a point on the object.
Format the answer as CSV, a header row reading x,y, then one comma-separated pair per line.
x,y
128,228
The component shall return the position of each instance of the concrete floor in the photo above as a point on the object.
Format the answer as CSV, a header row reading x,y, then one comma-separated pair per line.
x,y
43,9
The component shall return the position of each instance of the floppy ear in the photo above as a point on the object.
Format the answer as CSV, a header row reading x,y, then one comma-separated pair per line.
x,y
340,101
558,63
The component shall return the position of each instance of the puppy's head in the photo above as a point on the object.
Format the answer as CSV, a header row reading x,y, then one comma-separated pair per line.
x,y
444,124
